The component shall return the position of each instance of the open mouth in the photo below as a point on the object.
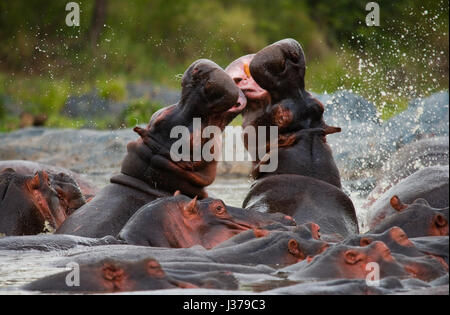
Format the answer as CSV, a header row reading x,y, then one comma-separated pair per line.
x,y
240,105
255,94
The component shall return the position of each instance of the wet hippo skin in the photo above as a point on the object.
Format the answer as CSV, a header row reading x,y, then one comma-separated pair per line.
x,y
30,168
111,276
273,82
417,219
33,204
306,200
430,183
147,171
182,222
280,69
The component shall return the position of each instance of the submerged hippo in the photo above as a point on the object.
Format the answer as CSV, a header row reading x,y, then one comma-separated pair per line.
x,y
148,172
33,204
400,245
430,183
351,262
52,242
182,222
273,248
305,199
111,276
417,219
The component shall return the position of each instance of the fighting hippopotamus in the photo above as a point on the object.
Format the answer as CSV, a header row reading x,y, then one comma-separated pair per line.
x,y
88,189
148,170
182,222
33,204
417,219
305,199
430,183
111,276
280,70
303,154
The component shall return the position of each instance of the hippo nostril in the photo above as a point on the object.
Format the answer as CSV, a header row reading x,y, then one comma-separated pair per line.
x,y
440,220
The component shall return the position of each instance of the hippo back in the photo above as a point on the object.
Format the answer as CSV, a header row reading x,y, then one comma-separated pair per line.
x,y
307,200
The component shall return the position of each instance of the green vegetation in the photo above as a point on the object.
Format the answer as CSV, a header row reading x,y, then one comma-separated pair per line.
x,y
43,61
139,112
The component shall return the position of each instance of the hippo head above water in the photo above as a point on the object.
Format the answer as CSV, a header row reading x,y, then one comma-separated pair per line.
x,y
208,94
239,71
208,90
351,262
110,276
29,204
417,219
280,68
182,222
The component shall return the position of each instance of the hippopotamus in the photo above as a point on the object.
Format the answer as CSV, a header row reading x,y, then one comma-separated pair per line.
x,y
52,242
425,268
408,160
273,248
33,204
437,246
148,171
257,98
273,82
430,183
400,245
182,222
88,189
350,262
109,276
417,219
280,69
308,231
394,238
306,199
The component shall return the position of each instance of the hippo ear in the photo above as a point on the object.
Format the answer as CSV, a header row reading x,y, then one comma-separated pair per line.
x,y
397,204
140,131
154,269
352,257
34,183
365,241
176,193
294,249
112,272
190,208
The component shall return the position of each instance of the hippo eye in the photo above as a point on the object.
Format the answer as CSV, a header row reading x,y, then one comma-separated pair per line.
x,y
237,80
220,209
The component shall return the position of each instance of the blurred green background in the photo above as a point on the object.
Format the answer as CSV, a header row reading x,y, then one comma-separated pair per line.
x,y
44,62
